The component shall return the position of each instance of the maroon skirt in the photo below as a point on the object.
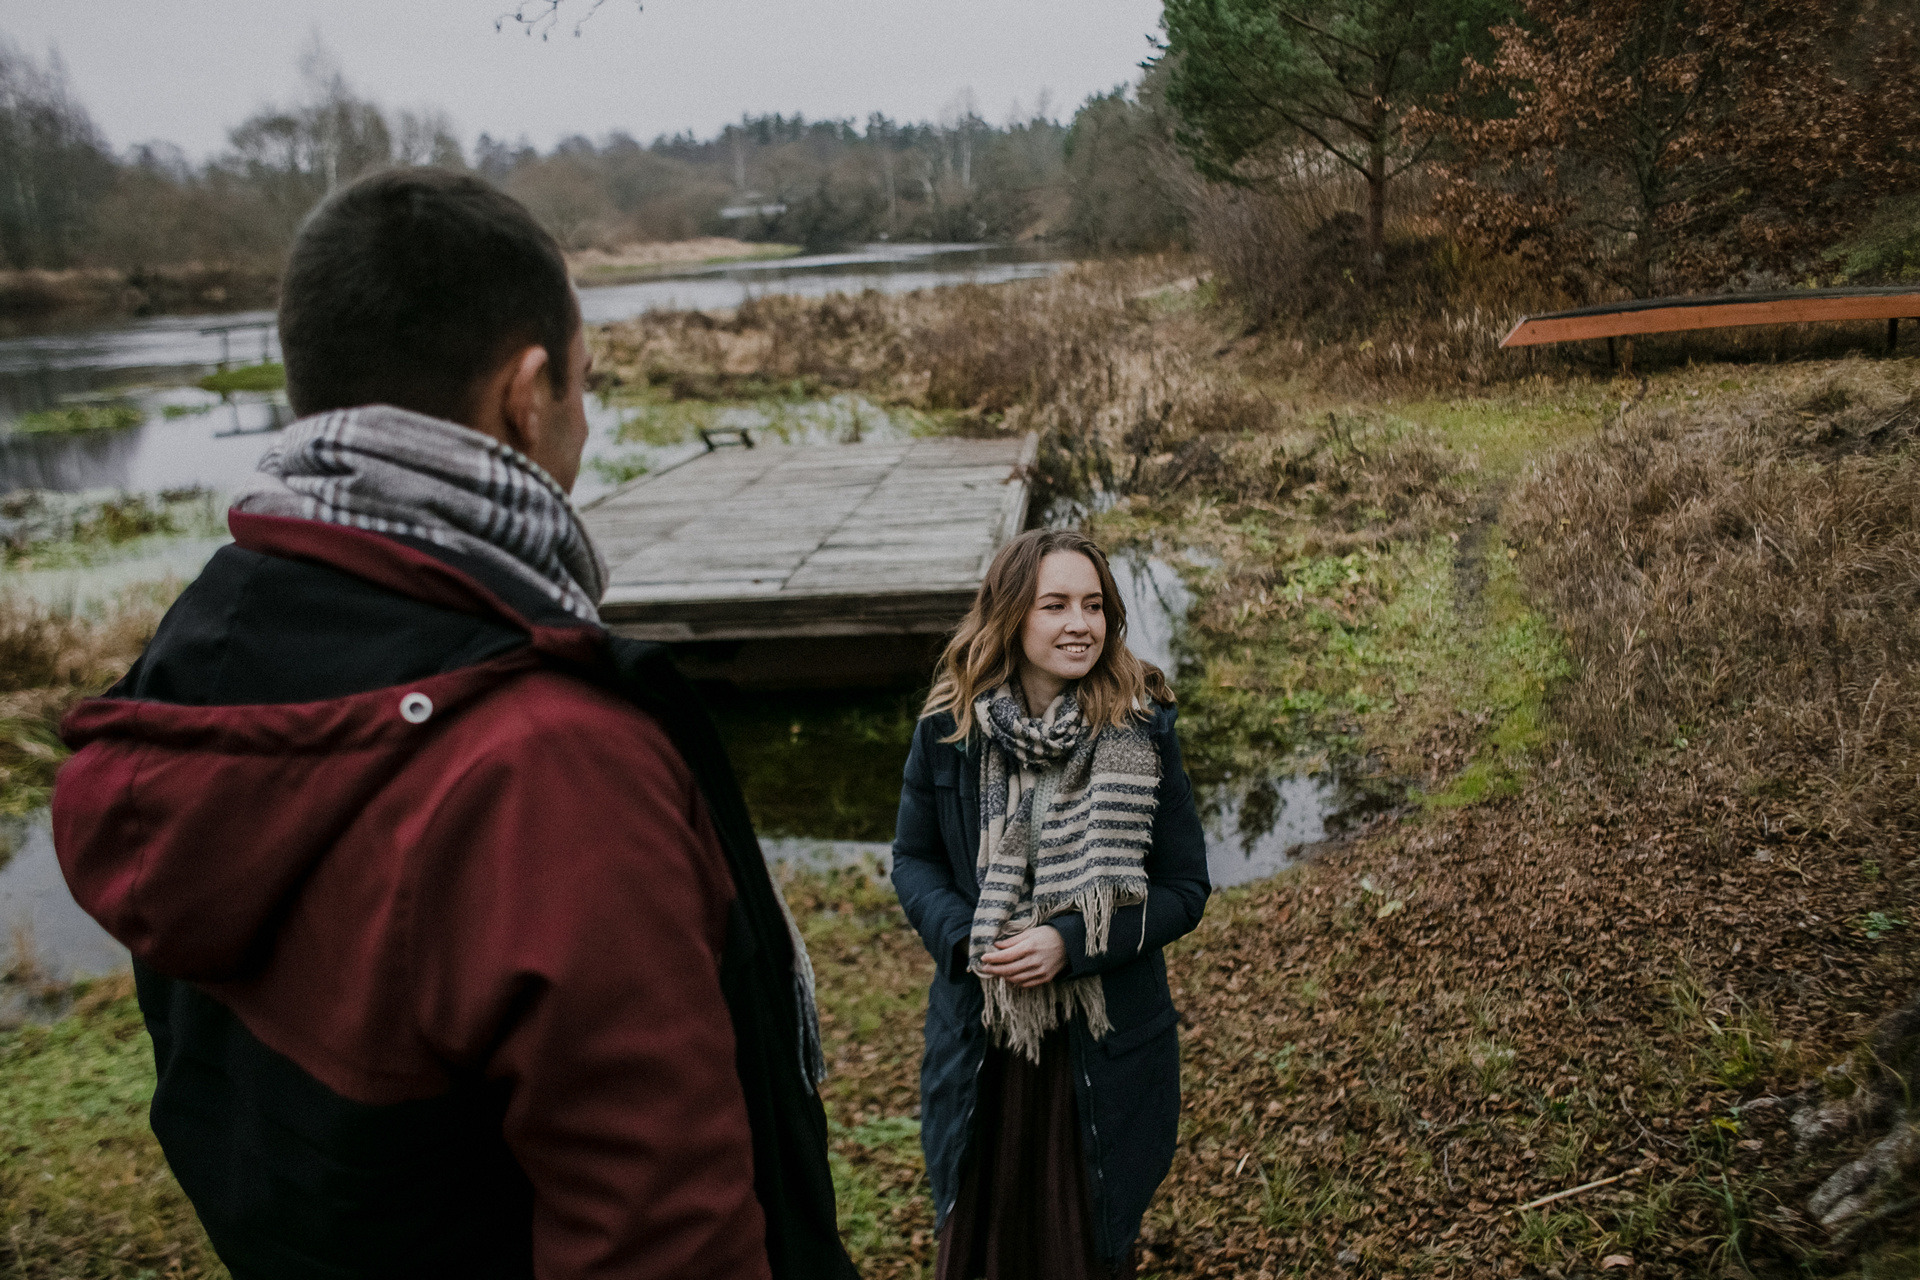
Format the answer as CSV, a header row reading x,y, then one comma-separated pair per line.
x,y
1023,1212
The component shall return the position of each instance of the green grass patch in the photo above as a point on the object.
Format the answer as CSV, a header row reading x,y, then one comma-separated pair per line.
x,y
30,753
258,378
1504,432
78,419
1515,658
64,531
84,1190
799,412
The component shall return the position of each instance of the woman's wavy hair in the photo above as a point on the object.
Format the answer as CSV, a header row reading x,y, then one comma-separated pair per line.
x,y
984,652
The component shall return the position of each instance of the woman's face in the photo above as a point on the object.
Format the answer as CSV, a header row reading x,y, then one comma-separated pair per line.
x,y
1067,626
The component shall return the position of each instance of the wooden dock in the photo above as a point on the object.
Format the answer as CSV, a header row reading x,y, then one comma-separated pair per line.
x,y
823,542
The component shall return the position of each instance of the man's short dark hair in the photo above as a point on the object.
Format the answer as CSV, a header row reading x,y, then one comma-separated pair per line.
x,y
410,286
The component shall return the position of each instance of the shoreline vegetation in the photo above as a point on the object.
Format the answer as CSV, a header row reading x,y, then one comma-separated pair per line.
x,y
35,299
644,261
31,300
1620,982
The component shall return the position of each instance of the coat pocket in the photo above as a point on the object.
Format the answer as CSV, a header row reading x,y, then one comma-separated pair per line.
x,y
1121,1043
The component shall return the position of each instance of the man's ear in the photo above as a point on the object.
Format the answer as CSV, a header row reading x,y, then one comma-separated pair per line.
x,y
525,399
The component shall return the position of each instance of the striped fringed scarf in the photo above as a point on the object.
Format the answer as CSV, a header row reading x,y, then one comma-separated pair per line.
x,y
1094,791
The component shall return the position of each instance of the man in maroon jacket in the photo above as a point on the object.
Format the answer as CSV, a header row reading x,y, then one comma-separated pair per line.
x,y
458,952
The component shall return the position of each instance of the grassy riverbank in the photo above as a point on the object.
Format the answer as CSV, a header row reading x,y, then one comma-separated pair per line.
x,y
1637,655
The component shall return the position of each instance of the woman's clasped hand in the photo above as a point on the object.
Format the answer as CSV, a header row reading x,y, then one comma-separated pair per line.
x,y
1031,958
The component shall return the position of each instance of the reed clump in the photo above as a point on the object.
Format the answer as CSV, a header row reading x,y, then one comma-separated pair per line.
x,y
50,657
974,349
1744,577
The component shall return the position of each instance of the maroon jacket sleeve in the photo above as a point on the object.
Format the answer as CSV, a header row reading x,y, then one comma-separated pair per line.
x,y
567,931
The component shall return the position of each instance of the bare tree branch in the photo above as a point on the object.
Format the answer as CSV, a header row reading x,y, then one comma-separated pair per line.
x,y
540,17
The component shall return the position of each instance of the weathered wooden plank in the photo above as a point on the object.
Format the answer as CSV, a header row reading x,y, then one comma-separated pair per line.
x,y
824,541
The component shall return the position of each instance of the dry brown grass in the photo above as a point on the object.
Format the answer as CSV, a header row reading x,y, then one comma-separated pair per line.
x,y
1747,575
976,349
50,658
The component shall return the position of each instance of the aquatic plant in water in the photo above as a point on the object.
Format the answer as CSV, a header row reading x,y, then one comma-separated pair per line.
x,y
271,376
77,418
42,528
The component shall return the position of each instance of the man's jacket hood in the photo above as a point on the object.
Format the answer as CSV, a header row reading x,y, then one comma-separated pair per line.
x,y
200,823
203,822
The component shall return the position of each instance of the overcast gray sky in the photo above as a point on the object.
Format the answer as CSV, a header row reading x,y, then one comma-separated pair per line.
x,y
188,70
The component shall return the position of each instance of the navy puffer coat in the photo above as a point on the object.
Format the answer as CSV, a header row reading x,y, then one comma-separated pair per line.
x,y
1128,1084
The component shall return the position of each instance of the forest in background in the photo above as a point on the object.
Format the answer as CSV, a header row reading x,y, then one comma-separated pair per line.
x,y
72,202
1331,163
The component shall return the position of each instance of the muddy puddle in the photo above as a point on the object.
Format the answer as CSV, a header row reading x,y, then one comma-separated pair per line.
x,y
1257,825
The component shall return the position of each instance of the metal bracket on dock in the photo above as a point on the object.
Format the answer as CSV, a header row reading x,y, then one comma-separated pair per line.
x,y
716,437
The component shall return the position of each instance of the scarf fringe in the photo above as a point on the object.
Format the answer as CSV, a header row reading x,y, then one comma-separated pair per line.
x,y
1096,904
1018,1018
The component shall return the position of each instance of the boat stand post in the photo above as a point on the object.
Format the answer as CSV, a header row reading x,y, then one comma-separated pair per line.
x,y
1893,335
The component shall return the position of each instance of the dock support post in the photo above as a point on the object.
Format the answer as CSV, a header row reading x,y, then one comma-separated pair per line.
x,y
1612,361
1893,335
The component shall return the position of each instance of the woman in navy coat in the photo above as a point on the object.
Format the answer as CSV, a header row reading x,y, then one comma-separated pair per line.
x,y
1045,1169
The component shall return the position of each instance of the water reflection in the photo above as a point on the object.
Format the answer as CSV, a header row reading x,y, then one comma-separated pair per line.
x,y
1254,827
829,855
1157,599
189,438
50,940
888,268
69,463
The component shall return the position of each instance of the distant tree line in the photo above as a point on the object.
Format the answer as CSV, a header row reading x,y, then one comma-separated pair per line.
x,y
68,200
1340,147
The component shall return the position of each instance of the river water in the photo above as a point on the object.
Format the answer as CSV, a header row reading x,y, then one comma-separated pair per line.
x,y
191,437
821,771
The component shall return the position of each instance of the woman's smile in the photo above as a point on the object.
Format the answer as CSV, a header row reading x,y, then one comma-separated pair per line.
x,y
1065,629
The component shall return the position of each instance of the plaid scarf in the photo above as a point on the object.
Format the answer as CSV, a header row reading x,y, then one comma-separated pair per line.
x,y
391,470
1066,819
